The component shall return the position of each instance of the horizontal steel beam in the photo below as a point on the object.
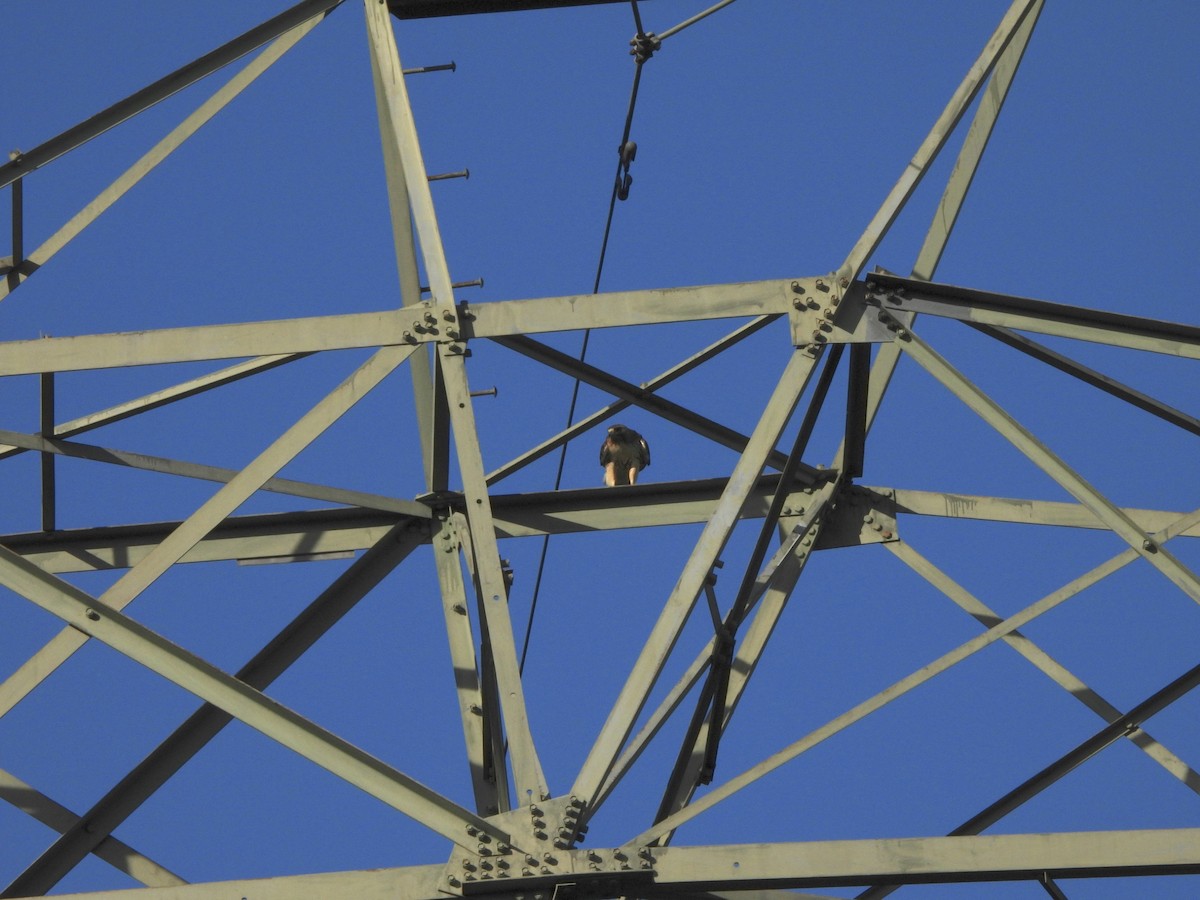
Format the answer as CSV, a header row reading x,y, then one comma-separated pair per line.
x,y
377,329
929,860
312,534
678,871
421,9
1039,316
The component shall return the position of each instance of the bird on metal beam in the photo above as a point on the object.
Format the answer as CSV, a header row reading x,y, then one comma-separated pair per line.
x,y
623,454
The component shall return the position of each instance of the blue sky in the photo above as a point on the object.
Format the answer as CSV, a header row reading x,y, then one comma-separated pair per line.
x,y
768,136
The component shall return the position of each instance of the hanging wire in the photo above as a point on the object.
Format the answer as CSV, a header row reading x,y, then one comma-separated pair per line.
x,y
622,163
644,46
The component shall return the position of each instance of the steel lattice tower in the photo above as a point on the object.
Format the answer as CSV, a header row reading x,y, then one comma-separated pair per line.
x,y
832,341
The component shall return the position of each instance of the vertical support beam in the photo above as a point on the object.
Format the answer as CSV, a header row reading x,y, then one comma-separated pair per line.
x,y
527,770
18,234
854,453
679,604
46,429
423,362
446,549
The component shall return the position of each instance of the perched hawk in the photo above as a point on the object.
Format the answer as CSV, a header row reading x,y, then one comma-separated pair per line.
x,y
623,454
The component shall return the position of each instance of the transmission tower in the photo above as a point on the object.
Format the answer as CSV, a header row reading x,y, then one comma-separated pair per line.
x,y
595,748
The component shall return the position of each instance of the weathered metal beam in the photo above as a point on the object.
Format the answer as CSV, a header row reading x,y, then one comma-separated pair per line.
x,y
647,505
93,618
163,88
1039,316
455,609
442,315
1013,432
860,254
1090,376
666,630
930,860
87,833
906,684
1050,667
635,395
193,529
220,475
164,148
54,815
619,308
160,398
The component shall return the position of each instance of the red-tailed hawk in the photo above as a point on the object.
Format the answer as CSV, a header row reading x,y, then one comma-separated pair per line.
x,y
623,454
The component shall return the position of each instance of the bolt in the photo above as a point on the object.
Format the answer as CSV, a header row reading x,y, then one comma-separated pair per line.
x,y
93,615
797,287
430,317
868,518
886,535
448,315
545,870
458,607
828,313
549,857
1149,546
477,710
408,336
535,811
561,844
844,281
453,882
468,865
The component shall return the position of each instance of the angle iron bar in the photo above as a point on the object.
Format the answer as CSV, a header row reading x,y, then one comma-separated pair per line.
x,y
169,144
455,608
617,406
87,833
1090,376
531,780
954,194
428,394
217,474
94,618
163,88
613,309
691,768
775,584
193,529
637,396
54,815
1021,511
936,139
973,147
1074,758
1045,663
635,692
776,581
921,860
1040,316
162,398
495,750
906,684
198,343
1024,441
46,422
